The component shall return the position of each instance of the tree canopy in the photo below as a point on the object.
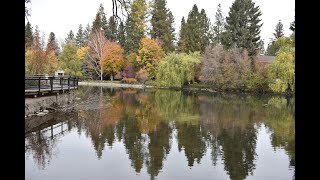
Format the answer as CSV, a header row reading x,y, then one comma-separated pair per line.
x,y
243,26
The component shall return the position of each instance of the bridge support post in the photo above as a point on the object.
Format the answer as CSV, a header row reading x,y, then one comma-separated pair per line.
x,y
39,85
61,83
51,84
68,83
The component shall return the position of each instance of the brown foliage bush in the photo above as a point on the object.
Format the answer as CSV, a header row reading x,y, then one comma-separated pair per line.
x,y
129,81
128,70
225,69
142,75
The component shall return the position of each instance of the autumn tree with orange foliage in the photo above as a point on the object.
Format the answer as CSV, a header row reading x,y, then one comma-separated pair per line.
x,y
112,58
37,59
149,55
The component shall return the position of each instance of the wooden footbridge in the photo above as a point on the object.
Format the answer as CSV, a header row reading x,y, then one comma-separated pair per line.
x,y
37,85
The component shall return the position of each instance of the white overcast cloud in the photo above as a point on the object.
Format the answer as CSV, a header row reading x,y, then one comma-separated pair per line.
x,y
61,16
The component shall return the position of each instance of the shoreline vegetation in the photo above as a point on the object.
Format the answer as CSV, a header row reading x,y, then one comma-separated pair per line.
x,y
44,107
192,87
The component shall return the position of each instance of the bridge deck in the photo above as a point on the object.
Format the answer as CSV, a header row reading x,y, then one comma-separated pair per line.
x,y
47,89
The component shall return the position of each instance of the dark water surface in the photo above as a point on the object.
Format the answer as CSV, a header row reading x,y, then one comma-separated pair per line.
x,y
164,134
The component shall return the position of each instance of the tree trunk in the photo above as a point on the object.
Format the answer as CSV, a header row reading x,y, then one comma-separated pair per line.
x,y
288,88
111,77
101,78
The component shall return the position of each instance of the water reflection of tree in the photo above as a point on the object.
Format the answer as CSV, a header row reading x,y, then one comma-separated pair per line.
x,y
228,125
176,106
99,133
146,113
183,110
145,136
159,147
238,148
101,121
191,140
226,122
134,142
281,121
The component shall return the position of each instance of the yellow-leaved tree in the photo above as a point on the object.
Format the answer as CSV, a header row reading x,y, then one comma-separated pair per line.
x,y
282,70
52,60
82,53
149,55
37,59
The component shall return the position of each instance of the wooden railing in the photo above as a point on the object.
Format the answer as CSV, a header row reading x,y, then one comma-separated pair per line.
x,y
40,84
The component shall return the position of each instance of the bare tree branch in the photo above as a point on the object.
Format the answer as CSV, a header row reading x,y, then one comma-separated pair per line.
x,y
96,43
123,5
27,10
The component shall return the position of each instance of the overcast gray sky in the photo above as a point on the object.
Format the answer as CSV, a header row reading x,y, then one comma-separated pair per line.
x,y
61,16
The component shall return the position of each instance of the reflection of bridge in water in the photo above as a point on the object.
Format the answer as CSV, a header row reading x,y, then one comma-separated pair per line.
x,y
48,131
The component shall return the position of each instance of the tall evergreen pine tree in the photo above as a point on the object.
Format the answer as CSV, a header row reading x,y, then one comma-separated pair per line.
x,y
193,42
129,33
158,19
169,36
80,40
86,33
162,25
53,44
278,30
111,33
70,38
219,25
196,30
100,21
97,24
36,45
182,36
135,25
103,17
243,26
28,36
121,35
204,26
273,47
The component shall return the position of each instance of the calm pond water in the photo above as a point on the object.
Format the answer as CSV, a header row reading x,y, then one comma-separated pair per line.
x,y
164,134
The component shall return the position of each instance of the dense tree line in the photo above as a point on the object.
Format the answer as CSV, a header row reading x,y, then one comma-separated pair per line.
x,y
142,47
